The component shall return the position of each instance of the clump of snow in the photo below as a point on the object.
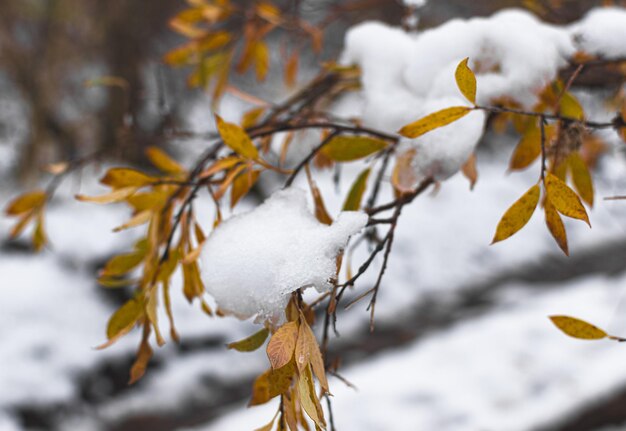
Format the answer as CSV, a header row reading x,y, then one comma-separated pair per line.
x,y
602,32
407,76
253,261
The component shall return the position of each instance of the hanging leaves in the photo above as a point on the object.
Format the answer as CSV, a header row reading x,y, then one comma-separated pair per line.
x,y
564,199
578,328
251,343
517,215
349,148
434,121
466,81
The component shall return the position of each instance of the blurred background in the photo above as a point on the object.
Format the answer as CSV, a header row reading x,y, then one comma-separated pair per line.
x,y
462,339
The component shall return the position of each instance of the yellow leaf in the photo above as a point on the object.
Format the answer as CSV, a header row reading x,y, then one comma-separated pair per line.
x,y
137,220
220,165
242,185
353,200
466,81
469,170
237,139
39,235
261,60
116,195
282,344
564,199
272,383
164,162
26,202
291,69
141,363
251,343
581,177
403,176
153,200
570,107
434,121
22,223
118,178
251,117
528,149
555,226
517,215
578,328
125,318
268,11
308,352
122,264
349,148
192,283
308,398
152,315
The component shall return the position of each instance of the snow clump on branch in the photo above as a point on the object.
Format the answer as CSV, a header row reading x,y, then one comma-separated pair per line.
x,y
254,261
407,76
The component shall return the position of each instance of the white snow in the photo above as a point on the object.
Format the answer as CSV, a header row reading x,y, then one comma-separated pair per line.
x,y
510,370
253,261
602,32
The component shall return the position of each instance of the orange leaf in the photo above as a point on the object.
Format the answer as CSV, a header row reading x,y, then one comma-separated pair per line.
x,y
469,170
282,345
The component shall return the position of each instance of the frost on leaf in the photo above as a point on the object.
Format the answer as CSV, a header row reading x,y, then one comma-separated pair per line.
x,y
253,261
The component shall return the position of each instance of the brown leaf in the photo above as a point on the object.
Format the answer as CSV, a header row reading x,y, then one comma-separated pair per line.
x,y
141,362
282,345
564,199
434,121
469,170
517,215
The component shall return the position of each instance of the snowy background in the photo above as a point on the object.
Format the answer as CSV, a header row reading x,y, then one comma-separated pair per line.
x,y
462,339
